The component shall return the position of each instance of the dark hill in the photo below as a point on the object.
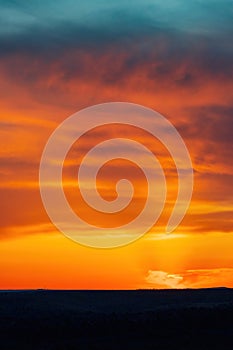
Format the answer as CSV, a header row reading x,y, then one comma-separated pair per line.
x,y
143,319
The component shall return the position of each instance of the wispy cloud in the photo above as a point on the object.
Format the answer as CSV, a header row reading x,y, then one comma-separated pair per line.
x,y
161,279
196,278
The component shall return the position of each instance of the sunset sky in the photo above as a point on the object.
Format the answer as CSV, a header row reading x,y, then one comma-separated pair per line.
x,y
174,56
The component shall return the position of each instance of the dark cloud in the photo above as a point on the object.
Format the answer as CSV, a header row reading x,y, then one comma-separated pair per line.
x,y
4,125
210,123
110,44
165,60
19,206
49,30
216,221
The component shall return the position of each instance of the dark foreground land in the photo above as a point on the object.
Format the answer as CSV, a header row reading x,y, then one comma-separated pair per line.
x,y
184,319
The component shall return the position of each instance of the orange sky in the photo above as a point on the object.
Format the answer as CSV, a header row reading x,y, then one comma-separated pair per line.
x,y
41,89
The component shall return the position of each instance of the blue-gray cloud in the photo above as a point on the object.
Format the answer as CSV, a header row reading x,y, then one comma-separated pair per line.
x,y
173,44
36,24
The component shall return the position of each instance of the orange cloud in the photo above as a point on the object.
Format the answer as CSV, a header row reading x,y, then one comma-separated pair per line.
x,y
200,278
188,86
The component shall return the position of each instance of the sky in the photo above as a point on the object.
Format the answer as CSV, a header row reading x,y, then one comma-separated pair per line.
x,y
174,56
